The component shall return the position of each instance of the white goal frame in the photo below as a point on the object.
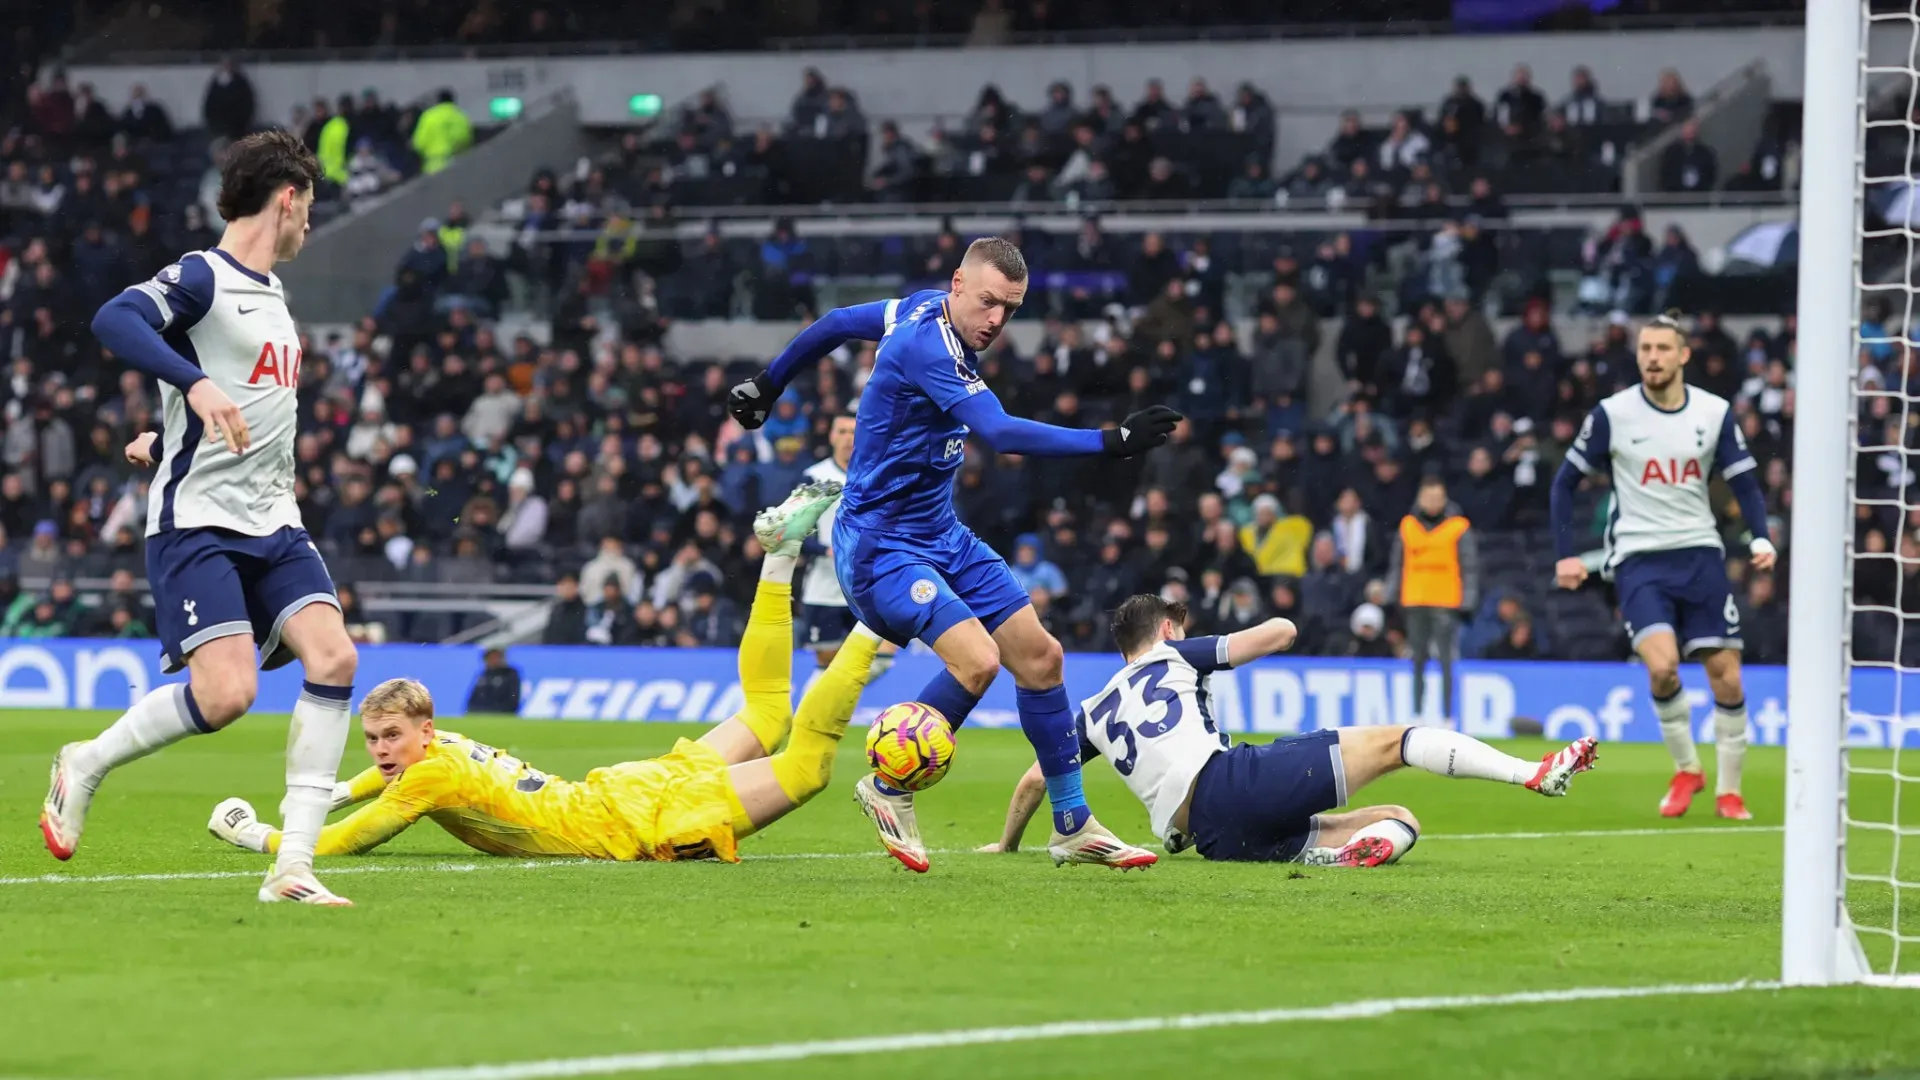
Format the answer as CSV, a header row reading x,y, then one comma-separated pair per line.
x,y
1817,942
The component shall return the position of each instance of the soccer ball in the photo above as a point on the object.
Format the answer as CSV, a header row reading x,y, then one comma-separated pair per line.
x,y
910,746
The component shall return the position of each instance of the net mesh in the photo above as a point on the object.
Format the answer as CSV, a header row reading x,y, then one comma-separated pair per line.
x,y
1880,806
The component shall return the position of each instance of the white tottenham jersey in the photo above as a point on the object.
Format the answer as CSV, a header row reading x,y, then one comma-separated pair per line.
x,y
1153,722
233,324
821,587
1660,461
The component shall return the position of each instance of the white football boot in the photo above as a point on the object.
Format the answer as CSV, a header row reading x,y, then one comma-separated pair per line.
x,y
64,813
300,887
782,529
892,816
1094,844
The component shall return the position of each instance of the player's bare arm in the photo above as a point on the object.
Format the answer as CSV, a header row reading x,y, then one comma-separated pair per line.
x,y
1028,793
1273,636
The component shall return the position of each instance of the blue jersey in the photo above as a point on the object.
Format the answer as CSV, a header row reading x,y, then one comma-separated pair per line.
x,y
908,447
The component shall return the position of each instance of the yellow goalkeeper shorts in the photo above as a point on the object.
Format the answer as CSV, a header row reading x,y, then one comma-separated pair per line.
x,y
680,805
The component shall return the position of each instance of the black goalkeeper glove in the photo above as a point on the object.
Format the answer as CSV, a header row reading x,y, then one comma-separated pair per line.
x,y
751,402
1141,432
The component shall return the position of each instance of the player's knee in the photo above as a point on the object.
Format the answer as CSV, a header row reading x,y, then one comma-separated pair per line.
x,y
333,663
1663,677
801,775
225,696
1402,815
1043,667
975,668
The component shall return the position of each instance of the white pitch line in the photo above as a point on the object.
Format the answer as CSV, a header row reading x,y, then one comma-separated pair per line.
x,y
1592,833
934,1040
794,856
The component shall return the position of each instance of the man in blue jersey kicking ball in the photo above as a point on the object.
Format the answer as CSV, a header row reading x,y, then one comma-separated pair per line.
x,y
909,568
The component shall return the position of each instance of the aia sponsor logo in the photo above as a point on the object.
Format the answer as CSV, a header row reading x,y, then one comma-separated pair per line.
x,y
278,365
1671,471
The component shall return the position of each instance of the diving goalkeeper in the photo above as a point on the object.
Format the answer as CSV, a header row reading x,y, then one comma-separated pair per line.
x,y
696,802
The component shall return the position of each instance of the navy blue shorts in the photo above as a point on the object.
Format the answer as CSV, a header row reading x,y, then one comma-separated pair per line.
x,y
212,583
825,626
907,587
1682,592
1257,803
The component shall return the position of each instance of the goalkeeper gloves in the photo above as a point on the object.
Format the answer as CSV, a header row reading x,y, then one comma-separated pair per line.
x,y
235,822
1141,432
751,402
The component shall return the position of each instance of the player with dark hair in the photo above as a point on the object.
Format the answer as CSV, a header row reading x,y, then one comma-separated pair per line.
x,y
1659,441
1266,802
907,566
230,568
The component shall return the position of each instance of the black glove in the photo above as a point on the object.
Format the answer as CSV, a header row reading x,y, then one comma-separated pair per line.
x,y
751,402
1141,432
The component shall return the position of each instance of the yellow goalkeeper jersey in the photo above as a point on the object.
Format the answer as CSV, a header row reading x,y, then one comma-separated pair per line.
x,y
488,799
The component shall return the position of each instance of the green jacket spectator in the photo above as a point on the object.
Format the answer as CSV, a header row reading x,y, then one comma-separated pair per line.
x,y
42,620
441,132
332,150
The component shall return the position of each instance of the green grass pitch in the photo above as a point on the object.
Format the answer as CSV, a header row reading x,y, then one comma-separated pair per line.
x,y
454,958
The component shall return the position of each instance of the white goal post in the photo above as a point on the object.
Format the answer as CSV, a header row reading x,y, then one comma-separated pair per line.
x,y
1820,940
1815,939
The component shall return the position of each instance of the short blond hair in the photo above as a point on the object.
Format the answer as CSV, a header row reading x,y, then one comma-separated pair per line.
x,y
405,697
999,253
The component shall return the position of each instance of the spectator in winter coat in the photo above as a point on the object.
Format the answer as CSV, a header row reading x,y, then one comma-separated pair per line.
x,y
1367,629
1365,341
1688,164
498,688
1485,495
227,108
1032,571
1519,108
1277,544
1329,590
1583,107
523,525
567,618
1469,340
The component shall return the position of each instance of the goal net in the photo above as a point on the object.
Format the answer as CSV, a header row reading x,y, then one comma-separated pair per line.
x,y
1851,903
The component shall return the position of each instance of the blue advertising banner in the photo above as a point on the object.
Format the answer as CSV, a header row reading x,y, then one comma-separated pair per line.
x,y
1277,695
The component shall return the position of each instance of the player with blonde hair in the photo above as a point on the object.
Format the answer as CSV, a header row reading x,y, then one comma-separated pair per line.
x,y
695,802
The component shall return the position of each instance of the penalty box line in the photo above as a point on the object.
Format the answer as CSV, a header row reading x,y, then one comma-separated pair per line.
x,y
801,856
657,1061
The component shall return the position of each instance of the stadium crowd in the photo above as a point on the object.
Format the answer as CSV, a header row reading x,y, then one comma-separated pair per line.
x,y
433,451
1179,143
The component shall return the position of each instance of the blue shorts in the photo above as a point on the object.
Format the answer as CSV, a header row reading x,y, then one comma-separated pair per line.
x,y
824,626
1684,593
907,587
212,583
1258,803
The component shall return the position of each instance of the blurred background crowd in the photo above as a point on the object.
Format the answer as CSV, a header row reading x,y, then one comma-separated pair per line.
x,y
523,416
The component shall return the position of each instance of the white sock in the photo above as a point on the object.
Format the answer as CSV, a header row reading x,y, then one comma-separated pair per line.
x,y
1449,753
1394,831
1676,727
1730,744
163,717
777,568
861,629
315,742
